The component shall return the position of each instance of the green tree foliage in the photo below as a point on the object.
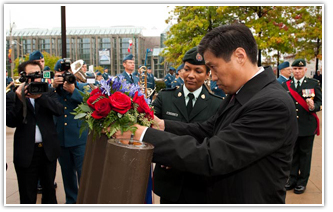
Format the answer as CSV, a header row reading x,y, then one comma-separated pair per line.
x,y
281,29
308,34
193,22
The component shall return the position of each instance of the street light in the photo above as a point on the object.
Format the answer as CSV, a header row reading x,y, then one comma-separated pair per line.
x,y
21,47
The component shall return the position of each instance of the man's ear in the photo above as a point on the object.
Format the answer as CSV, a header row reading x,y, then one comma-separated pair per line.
x,y
240,55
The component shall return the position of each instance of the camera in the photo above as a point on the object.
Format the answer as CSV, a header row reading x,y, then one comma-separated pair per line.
x,y
34,87
65,64
69,77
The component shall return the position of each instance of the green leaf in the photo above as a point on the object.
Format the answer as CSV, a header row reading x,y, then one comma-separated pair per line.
x,y
80,115
85,108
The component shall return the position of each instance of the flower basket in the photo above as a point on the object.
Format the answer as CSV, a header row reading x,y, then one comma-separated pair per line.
x,y
113,172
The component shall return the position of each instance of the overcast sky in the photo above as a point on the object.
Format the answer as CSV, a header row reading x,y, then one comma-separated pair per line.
x,y
150,16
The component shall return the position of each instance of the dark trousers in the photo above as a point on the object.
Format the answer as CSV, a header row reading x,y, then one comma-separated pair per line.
x,y
27,178
71,160
301,164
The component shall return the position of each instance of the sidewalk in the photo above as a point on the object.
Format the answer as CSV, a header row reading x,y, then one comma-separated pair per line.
x,y
312,195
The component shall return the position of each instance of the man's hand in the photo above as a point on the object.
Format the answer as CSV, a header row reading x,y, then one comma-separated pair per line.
x,y
58,80
127,134
69,87
310,104
159,124
19,91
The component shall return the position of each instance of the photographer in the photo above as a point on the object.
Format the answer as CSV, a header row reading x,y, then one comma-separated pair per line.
x,y
68,129
36,146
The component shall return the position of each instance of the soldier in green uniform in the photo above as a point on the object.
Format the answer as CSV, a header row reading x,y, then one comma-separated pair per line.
x,y
307,96
191,102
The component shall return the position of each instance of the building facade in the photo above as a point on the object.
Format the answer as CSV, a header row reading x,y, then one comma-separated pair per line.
x,y
89,44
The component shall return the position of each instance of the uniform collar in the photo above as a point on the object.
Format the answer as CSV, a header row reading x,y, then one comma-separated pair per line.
x,y
196,93
301,80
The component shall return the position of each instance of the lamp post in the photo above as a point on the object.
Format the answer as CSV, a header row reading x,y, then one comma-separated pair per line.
x,y
21,48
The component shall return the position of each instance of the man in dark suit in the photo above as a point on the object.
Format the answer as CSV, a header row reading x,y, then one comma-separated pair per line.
x,y
72,142
306,93
172,185
285,72
128,63
36,144
245,149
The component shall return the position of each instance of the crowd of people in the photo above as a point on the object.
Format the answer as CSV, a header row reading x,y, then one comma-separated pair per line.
x,y
228,131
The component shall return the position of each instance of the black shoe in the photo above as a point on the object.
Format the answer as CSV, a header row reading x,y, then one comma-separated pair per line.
x,y
289,186
55,185
299,189
39,189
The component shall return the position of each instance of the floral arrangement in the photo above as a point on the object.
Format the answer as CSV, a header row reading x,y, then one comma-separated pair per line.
x,y
114,105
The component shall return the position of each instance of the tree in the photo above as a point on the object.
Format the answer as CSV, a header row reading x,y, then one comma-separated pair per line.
x,y
308,42
193,22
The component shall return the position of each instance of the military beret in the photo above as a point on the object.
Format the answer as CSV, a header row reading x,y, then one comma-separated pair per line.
x,y
84,63
180,67
36,55
46,68
172,68
105,68
283,65
194,57
98,73
140,66
148,67
128,57
299,63
57,66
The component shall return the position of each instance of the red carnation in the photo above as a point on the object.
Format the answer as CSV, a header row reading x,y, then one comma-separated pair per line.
x,y
120,102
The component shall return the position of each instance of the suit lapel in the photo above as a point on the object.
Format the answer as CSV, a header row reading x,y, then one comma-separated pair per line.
x,y
180,102
200,104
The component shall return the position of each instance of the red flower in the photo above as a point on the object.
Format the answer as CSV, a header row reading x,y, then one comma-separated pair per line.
x,y
143,106
92,99
102,108
95,91
120,102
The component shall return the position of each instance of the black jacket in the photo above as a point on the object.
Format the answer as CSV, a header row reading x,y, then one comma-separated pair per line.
x,y
245,149
24,137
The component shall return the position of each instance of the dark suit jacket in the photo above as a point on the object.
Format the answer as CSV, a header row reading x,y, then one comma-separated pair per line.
x,y
24,137
306,122
245,149
170,105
